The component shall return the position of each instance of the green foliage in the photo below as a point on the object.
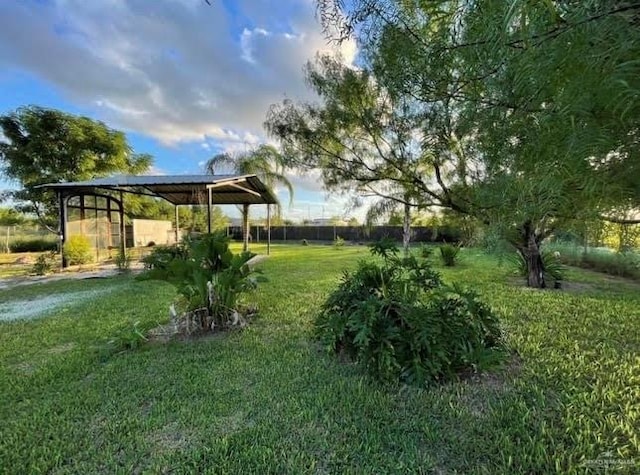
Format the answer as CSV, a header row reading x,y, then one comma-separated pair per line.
x,y
41,145
385,248
206,274
45,263
621,264
11,217
449,254
161,256
77,250
123,260
553,267
425,251
264,161
520,115
338,242
129,338
305,242
33,245
511,420
397,319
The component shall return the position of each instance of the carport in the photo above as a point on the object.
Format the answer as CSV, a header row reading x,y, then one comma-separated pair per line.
x,y
105,195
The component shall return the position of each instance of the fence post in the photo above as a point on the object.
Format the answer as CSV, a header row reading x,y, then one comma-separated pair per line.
x,y
8,235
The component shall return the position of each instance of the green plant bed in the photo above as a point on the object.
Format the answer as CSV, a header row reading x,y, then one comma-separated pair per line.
x,y
399,321
210,279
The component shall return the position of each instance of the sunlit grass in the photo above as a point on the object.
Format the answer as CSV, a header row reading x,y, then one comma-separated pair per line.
x,y
266,400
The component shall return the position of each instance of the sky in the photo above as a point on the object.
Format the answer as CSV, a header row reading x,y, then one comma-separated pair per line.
x,y
184,80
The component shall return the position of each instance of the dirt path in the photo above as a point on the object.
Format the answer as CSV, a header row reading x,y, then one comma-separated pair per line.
x,y
100,272
42,306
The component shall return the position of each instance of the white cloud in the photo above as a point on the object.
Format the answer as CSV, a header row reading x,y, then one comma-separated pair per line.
x,y
176,70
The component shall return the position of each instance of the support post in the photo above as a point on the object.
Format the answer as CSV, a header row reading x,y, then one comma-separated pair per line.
x,y
123,230
62,203
268,229
209,210
245,227
177,224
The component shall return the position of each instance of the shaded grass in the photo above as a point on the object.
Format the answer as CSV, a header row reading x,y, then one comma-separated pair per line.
x,y
265,400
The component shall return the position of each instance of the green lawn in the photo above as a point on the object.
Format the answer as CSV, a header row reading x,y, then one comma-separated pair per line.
x,y
265,400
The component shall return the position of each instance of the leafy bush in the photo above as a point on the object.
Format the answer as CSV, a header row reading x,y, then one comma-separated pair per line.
x,y
77,250
449,254
305,242
338,242
209,278
399,321
161,256
553,268
425,251
33,245
45,263
123,260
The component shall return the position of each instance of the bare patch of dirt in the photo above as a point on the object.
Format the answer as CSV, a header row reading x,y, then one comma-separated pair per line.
x,y
41,306
25,368
55,350
477,387
227,425
171,437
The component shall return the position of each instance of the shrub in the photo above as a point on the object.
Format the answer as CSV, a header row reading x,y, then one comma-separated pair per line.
x,y
45,263
209,278
161,256
398,321
33,245
425,251
553,268
123,260
77,250
305,242
449,254
338,242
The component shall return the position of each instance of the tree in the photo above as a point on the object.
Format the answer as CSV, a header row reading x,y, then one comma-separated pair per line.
x,y
45,146
264,161
495,93
11,217
363,137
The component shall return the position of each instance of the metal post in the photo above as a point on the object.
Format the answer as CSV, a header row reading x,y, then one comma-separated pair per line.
x,y
245,227
209,211
97,227
123,230
177,224
63,226
268,229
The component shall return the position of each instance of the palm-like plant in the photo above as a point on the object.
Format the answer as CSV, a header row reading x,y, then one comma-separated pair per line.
x,y
263,161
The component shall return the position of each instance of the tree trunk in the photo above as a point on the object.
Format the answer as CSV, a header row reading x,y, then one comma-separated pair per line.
x,y
529,249
406,229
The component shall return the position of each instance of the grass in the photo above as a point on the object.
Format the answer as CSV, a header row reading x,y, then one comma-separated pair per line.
x,y
265,400
620,264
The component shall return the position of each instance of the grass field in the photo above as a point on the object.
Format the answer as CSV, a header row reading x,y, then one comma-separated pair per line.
x,y
265,400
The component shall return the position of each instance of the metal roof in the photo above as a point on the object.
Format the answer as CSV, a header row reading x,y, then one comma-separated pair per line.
x,y
179,189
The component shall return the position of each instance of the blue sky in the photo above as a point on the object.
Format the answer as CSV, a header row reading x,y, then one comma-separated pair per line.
x,y
183,79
